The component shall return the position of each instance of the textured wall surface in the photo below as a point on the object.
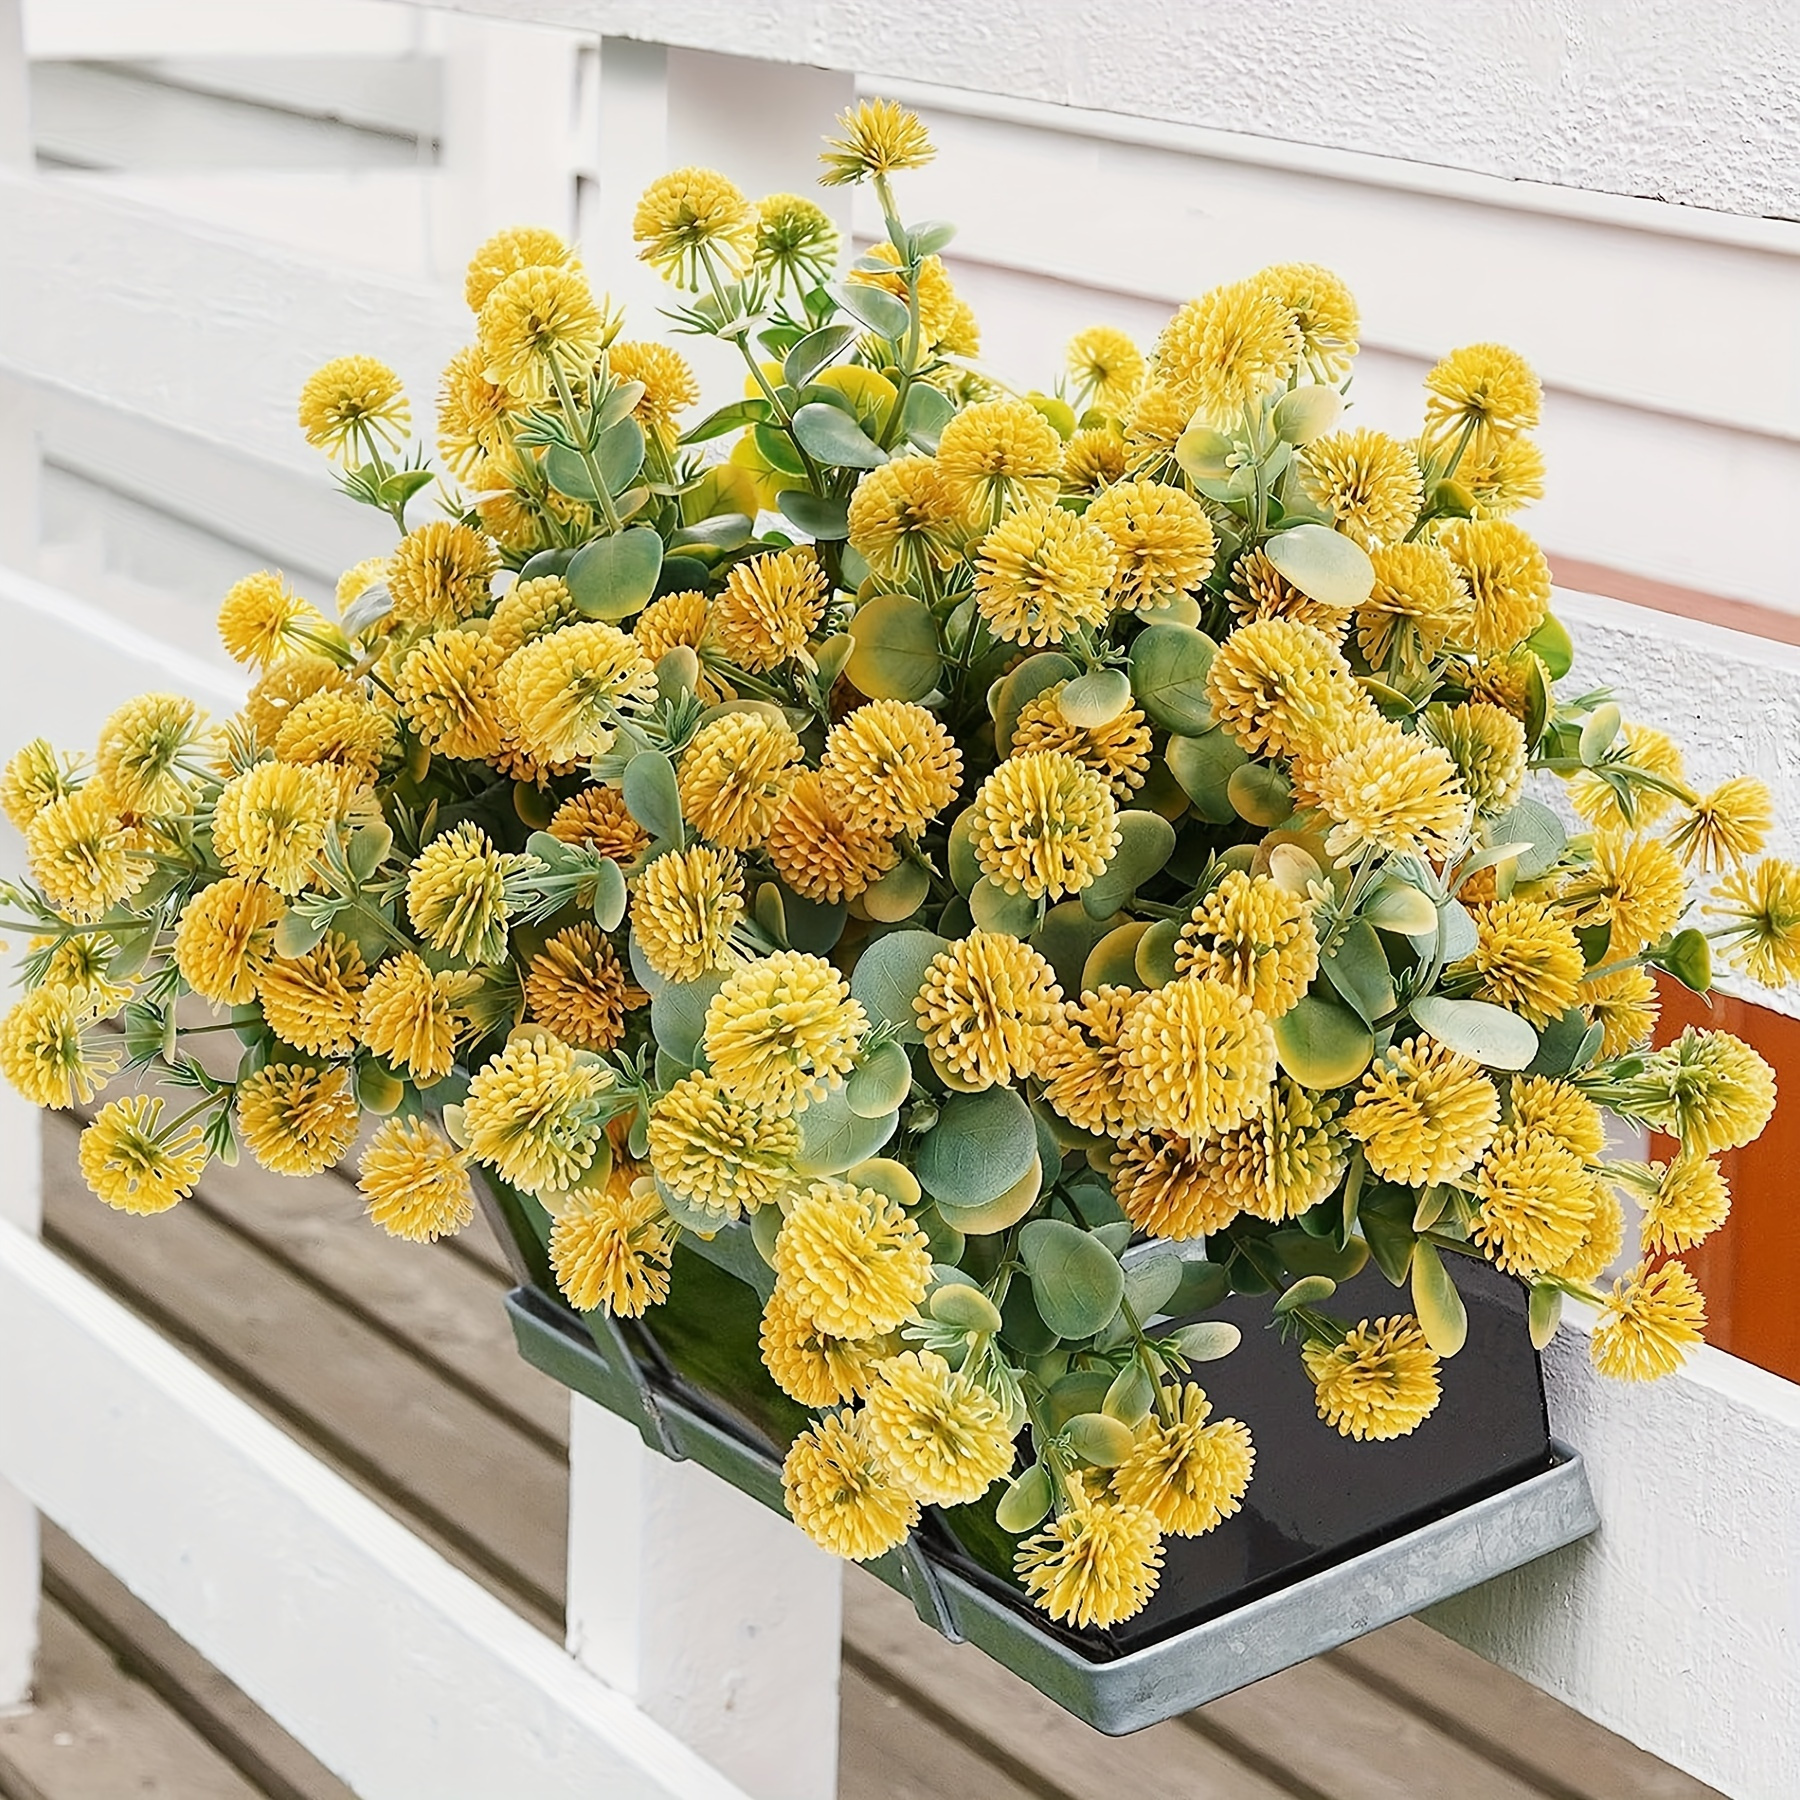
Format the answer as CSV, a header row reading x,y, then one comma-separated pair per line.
x,y
1681,100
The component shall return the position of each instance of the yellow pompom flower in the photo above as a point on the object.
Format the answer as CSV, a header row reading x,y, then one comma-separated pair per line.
x,y
226,939
1648,1323
1171,1187
1369,483
1488,747
691,220
1119,749
270,822
1106,367
50,1052
1729,825
839,1494
539,323
1760,910
611,1249
670,387
1155,422
1044,825
36,777
1715,1092
534,1112
1508,577
851,1260
904,521
1042,573
877,137
684,621
449,690
1602,1235
817,851
1534,1201
1419,605
783,1030
313,1001
530,610
1637,747
1187,1474
1624,1005
297,1120
997,455
796,242
1684,1202
734,776
261,619
1225,351
476,417
456,895
284,684
1424,1113
716,1152
768,609
810,1365
1324,312
505,253
891,766
598,819
341,729
416,1182
82,967
985,1006
1256,938
1381,1382
1202,1057
1501,474
1481,386
1526,958
410,1016
567,691
140,752
1283,1160
683,911
1081,1061
440,574
350,402
1635,885
1395,793
1093,459
1096,1564
1281,688
84,856
1539,1103
134,1162
1162,538
939,1433
576,988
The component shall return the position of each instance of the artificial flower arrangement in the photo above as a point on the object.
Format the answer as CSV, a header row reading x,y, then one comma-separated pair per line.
x,y
949,838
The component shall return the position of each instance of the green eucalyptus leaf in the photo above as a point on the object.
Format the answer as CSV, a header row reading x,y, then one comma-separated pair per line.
x,y
620,454
732,417
925,414
678,1016
1154,956
1025,1503
1442,1316
898,894
1076,1280
566,470
1169,666
896,654
1544,1315
1204,766
1554,648
1309,1290
875,307
1204,455
1131,1395
814,351
614,577
1064,940
824,519
1203,1285
1603,725
831,436
1357,967
1095,699
1099,1439
294,936
777,448
652,796
982,1146
1259,794
1489,1034
965,1307
1146,842
1322,1044
880,1082
995,909
1208,1340
888,975
1305,414
1153,1273
834,1136
1688,957
611,896
1323,564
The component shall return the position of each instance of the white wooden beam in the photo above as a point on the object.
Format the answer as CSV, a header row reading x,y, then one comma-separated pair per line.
x,y
712,1612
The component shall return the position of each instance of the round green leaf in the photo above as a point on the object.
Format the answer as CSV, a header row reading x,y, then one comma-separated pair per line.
x,y
1309,1290
835,1137
1322,1044
652,796
1603,725
1204,454
830,435
1153,1273
1095,699
879,1083
814,351
1169,666
982,1145
965,871
1210,1340
923,418
1002,1212
964,1306
1399,906
678,1016
1146,842
1023,1506
1154,956
898,894
825,519
1554,647
1357,967
614,577
1204,766
875,307
997,910
1034,676
1259,795
1131,1395
896,649
1099,1439
1113,961
567,472
1489,1034
1545,1314
1305,414
1075,1279
1203,1285
1064,940
610,896
887,977
1323,564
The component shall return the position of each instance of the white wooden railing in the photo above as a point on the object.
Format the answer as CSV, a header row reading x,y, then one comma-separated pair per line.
x,y
703,1630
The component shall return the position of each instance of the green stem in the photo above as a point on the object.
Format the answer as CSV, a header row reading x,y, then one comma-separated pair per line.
x,y
566,401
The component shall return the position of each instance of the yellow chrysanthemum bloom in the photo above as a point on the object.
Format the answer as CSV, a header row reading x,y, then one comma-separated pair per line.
x,y
410,1016
1081,1059
476,417
1488,747
1541,1103
1260,591
810,1365
270,822
284,685
611,1249
878,137
1282,688
505,253
449,689
1648,1323
530,610
891,766
576,988
768,609
36,777
817,851
839,1494
692,220
1044,824
1686,1201
1760,910
533,1112
670,387
1202,1057
1602,1235
1157,419
1324,312
1418,605
1534,1200
349,403
342,729
1369,483
1624,1005
1119,749
904,521
1093,459
226,939
1424,1113
1396,793
135,1163
1381,1382
598,819
1042,573
1187,1474
141,748
84,856
297,1120
1635,885
734,776
1106,367
941,1435
1716,1092
1256,938
684,621
1285,1159
50,1052
1486,387
1636,747
684,909
416,1182
82,967
1526,958
1095,1564
1729,825
1171,1187
1225,351
1501,474
718,1153
540,323
997,455
567,691
519,509
851,1260
1164,542
312,1001
985,1005
796,242
456,895
261,618
1508,577
440,574
783,1031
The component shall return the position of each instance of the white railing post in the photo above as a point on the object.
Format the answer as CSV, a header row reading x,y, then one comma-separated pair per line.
x,y
711,1612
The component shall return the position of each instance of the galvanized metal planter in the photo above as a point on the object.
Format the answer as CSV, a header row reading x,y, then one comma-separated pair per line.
x,y
1334,1539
